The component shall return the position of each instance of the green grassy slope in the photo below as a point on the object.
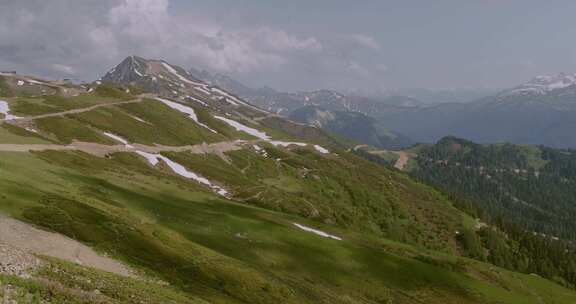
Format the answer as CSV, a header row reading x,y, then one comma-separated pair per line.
x,y
227,252
62,282
399,237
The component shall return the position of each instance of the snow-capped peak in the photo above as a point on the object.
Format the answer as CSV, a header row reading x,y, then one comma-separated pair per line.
x,y
541,85
130,69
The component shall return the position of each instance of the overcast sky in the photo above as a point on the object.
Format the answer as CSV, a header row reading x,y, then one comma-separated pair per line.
x,y
299,44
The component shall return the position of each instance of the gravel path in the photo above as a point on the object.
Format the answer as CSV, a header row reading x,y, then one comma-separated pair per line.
x,y
75,111
20,240
100,150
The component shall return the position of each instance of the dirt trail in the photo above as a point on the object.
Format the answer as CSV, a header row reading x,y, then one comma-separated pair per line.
x,y
26,238
74,111
101,150
32,147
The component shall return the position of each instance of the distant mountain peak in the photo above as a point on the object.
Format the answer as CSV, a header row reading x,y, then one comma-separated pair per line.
x,y
171,81
541,85
137,69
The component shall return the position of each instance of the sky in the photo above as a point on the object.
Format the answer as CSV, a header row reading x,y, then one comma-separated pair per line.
x,y
362,45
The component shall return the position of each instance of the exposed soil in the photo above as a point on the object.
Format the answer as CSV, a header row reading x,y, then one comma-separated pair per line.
x,y
101,150
403,158
19,242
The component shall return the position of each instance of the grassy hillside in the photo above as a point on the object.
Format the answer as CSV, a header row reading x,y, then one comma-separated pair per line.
x,y
227,252
525,191
393,240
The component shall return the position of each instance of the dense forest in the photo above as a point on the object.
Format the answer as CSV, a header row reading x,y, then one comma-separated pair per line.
x,y
533,187
524,196
528,192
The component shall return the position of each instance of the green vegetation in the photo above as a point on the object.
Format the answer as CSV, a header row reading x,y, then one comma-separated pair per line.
x,y
537,183
402,241
161,125
65,130
32,106
108,90
16,135
388,156
347,191
225,252
520,190
5,90
57,281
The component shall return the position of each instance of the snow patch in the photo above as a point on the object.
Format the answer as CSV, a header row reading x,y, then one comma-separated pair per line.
x,y
197,100
203,90
5,109
287,143
35,82
20,82
543,84
260,150
186,110
321,149
234,100
151,158
118,138
154,159
240,127
139,119
229,98
175,73
318,232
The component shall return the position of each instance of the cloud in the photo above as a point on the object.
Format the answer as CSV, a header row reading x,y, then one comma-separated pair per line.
x,y
70,38
35,34
65,69
366,41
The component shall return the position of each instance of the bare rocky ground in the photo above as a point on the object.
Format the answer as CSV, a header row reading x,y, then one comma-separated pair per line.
x,y
402,161
17,262
20,242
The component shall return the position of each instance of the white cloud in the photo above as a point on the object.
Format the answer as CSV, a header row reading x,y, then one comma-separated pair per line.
x,y
366,41
62,68
136,25
63,38
98,34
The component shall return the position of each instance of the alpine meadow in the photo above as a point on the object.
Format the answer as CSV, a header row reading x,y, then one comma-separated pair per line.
x,y
379,152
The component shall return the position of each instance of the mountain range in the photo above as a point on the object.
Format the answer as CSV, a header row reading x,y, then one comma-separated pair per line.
x,y
157,187
351,115
540,111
